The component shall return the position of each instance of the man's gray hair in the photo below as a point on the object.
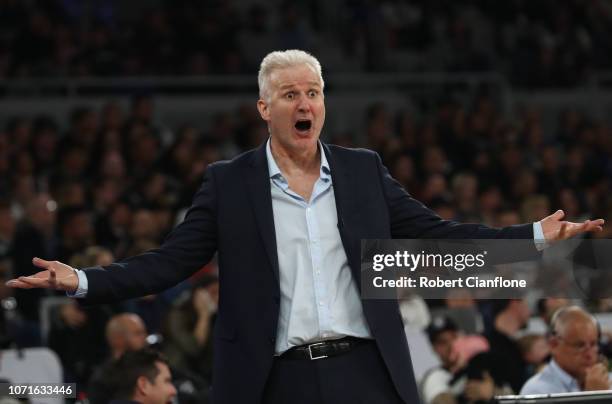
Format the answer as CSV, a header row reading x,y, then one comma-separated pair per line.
x,y
280,60
568,315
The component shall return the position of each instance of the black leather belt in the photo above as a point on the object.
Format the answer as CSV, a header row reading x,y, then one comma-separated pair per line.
x,y
324,349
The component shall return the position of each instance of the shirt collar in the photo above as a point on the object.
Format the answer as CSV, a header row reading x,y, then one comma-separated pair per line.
x,y
274,171
565,377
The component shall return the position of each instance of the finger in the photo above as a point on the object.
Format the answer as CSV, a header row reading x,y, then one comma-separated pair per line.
x,y
16,283
563,231
577,228
558,215
41,263
34,281
586,226
595,225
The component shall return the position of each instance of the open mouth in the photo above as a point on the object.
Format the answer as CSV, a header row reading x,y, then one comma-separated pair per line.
x,y
303,125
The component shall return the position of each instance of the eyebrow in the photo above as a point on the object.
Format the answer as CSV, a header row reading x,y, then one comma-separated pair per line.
x,y
312,84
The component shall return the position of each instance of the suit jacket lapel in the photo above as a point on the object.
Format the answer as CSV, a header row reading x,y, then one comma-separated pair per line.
x,y
344,187
258,181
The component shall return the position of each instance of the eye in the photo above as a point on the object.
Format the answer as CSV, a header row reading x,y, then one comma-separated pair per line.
x,y
312,93
290,95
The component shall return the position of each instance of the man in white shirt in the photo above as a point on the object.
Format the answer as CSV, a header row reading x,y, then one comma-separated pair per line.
x,y
575,364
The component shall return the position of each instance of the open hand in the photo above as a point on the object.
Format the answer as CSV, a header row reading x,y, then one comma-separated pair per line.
x,y
556,229
56,275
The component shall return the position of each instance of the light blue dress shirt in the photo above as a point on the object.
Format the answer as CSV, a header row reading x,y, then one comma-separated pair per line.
x,y
319,296
552,379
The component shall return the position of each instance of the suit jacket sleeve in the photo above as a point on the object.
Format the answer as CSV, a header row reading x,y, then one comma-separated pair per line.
x,y
187,248
411,219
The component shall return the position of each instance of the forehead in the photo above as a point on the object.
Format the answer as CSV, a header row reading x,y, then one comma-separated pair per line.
x,y
295,76
163,369
445,336
581,329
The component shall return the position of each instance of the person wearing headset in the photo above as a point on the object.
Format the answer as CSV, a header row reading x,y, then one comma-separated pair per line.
x,y
576,364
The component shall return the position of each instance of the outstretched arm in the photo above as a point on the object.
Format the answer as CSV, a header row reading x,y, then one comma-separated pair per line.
x,y
185,250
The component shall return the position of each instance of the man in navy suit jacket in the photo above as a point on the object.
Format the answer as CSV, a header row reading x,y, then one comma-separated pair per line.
x,y
289,279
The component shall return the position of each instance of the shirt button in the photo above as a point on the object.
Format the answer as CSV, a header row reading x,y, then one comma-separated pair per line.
x,y
321,304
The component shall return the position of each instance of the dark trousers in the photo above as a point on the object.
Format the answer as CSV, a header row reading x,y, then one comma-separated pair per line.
x,y
356,377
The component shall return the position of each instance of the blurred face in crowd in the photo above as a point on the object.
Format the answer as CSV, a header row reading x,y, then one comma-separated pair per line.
x,y
42,212
144,225
294,109
135,333
575,347
126,332
444,347
161,390
538,351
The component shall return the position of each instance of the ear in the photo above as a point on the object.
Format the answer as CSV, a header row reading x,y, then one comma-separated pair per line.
x,y
142,385
553,341
264,112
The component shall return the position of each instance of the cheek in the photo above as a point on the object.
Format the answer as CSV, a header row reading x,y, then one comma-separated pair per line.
x,y
280,117
322,116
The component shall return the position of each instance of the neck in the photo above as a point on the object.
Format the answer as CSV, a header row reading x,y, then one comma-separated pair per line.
x,y
296,161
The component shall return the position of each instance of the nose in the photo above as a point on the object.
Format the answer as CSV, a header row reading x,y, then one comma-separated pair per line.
x,y
303,103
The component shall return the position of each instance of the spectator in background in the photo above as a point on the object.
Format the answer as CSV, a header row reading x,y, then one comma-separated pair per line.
x,y
536,352
35,234
507,217
7,234
486,375
73,328
76,231
575,364
509,316
436,384
465,191
548,306
534,205
142,377
189,326
124,332
43,145
463,366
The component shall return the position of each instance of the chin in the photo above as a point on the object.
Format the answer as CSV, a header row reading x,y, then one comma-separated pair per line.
x,y
301,140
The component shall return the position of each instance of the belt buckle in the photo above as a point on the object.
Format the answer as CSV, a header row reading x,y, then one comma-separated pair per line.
x,y
312,358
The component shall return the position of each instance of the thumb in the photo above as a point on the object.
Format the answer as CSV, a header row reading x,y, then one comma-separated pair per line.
x,y
558,215
41,263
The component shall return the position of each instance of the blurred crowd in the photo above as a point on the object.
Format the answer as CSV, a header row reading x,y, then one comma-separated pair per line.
x,y
107,184
532,43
